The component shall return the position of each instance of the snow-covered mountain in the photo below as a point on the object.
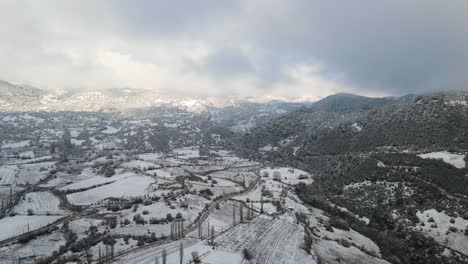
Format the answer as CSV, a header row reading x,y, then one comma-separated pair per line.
x,y
19,98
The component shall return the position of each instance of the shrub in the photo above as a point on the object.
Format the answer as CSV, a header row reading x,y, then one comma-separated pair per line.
x,y
169,218
339,224
157,221
126,222
453,229
138,219
344,242
247,254
206,192
26,238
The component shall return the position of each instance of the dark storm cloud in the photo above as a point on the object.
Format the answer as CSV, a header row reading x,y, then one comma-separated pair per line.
x,y
393,46
150,18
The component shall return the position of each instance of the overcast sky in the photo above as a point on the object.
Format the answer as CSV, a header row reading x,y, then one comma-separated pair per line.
x,y
294,48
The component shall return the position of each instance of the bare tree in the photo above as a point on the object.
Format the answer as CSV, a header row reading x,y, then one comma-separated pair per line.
x,y
241,212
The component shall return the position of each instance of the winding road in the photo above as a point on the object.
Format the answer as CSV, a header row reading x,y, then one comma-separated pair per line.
x,y
193,226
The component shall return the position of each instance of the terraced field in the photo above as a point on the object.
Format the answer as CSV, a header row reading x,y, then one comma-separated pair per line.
x,y
270,241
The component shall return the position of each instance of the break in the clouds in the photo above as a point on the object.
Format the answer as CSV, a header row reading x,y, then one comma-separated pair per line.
x,y
298,48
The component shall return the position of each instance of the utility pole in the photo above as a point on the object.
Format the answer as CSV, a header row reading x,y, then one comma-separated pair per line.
x,y
181,252
233,214
164,257
241,213
261,203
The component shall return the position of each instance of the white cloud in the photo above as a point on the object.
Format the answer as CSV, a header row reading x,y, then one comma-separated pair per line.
x,y
296,48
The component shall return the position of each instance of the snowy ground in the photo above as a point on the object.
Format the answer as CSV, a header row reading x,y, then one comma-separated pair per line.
x,y
81,226
454,159
331,252
126,184
8,174
19,224
34,172
437,224
150,156
187,153
149,255
139,164
40,247
269,240
217,190
156,210
41,203
95,180
21,144
288,175
110,130
221,219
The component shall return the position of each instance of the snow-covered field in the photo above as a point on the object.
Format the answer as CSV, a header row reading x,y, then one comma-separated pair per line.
x,y
110,130
34,172
138,164
95,180
150,156
126,184
268,148
19,224
221,219
8,174
454,159
156,210
217,190
41,203
288,175
352,237
81,226
42,246
269,240
21,144
187,153
168,173
217,256
331,252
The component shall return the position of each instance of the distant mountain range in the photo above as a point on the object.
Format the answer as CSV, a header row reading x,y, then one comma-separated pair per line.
x,y
24,98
